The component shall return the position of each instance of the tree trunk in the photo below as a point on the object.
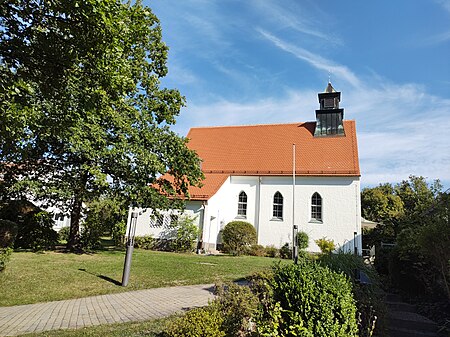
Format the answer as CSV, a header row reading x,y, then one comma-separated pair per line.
x,y
74,235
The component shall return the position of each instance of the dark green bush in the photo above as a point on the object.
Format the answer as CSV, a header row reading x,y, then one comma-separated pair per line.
x,y
145,242
286,251
119,231
200,322
8,233
272,251
237,236
34,226
91,234
371,310
302,240
306,300
36,231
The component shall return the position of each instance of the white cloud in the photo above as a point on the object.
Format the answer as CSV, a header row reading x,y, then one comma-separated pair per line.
x,y
282,16
315,60
402,130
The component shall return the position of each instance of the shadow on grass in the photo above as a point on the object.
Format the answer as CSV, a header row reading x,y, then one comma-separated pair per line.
x,y
103,277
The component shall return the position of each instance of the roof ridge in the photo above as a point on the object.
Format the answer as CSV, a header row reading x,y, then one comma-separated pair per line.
x,y
257,125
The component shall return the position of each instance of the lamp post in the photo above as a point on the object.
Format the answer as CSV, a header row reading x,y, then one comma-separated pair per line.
x,y
295,245
130,248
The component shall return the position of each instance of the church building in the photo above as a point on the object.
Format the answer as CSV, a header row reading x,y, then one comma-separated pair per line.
x,y
274,176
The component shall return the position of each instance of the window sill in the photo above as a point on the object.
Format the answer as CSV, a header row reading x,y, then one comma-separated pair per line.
x,y
276,219
315,221
240,217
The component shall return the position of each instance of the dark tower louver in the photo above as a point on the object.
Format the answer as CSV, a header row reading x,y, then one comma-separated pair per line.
x,y
329,117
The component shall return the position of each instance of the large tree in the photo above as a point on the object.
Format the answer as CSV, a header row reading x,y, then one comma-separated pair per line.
x,y
82,109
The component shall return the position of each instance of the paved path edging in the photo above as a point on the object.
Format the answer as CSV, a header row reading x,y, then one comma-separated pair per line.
x,y
102,309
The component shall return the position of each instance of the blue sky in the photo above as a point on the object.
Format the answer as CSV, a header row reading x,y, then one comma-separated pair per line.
x,y
264,61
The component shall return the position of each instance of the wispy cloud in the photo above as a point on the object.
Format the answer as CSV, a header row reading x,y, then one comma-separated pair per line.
x,y
401,129
283,17
313,59
445,4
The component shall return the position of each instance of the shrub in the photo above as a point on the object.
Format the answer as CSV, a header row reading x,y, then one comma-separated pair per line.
x,y
371,310
272,251
63,234
145,242
237,235
36,231
91,234
302,240
5,255
237,305
8,233
306,300
119,231
186,235
201,322
326,246
256,250
286,251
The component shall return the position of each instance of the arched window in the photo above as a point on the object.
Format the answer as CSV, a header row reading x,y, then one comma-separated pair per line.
x,y
242,204
278,206
316,207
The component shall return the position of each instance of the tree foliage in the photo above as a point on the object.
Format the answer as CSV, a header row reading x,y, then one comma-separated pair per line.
x,y
414,214
83,113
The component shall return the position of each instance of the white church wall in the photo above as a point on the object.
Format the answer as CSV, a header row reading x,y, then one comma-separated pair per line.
x,y
148,224
340,210
223,207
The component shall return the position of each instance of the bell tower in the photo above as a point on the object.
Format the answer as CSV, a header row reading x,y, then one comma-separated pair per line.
x,y
329,117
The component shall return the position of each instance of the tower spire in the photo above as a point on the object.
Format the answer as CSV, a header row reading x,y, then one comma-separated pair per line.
x,y
329,118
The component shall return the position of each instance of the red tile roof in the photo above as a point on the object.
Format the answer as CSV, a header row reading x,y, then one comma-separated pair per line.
x,y
267,150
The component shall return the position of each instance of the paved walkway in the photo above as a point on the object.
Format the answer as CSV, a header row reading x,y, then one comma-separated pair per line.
x,y
115,308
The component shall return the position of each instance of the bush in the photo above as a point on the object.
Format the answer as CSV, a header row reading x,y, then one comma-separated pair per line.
x,y
145,242
371,310
63,234
201,322
237,235
302,240
272,251
34,226
186,235
326,246
306,300
91,234
255,250
286,251
36,231
237,305
8,233
119,231
5,255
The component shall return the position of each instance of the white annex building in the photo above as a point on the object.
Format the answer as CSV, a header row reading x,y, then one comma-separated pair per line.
x,y
250,173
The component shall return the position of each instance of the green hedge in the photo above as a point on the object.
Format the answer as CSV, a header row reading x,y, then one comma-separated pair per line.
x,y
307,300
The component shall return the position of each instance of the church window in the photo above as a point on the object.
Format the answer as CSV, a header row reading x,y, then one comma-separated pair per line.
x,y
316,207
242,204
278,206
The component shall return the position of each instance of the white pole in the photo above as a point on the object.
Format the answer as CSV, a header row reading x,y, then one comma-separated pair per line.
x,y
293,184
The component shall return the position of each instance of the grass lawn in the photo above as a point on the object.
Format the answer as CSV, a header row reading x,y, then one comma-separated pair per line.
x,y
50,276
151,328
